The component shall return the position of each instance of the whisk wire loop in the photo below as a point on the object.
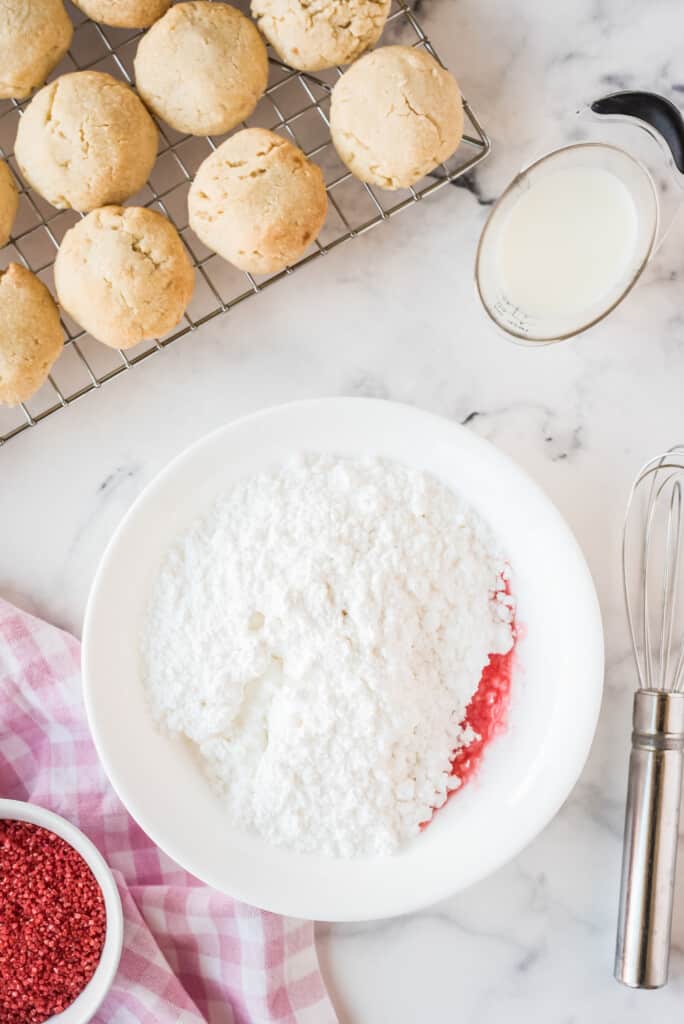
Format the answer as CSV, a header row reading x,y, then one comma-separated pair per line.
x,y
670,581
653,607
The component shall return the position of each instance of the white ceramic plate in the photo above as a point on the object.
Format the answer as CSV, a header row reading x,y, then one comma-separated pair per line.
x,y
527,772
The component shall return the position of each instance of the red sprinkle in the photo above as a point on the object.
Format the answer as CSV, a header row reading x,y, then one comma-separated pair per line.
x,y
52,923
486,713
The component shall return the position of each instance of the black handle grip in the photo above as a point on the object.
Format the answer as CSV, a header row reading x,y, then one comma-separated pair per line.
x,y
655,110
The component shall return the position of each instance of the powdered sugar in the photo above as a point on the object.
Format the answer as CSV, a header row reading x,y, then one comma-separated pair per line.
x,y
318,635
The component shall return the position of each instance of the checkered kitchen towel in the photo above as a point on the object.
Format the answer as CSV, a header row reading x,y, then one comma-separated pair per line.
x,y
190,954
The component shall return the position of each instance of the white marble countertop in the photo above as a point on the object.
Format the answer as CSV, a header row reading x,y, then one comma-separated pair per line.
x,y
395,315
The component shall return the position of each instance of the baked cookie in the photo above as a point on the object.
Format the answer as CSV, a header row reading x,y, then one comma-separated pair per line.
x,y
124,13
395,115
33,39
31,336
320,34
9,203
202,68
124,275
86,140
257,201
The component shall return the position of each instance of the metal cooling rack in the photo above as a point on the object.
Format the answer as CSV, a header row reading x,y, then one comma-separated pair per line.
x,y
295,104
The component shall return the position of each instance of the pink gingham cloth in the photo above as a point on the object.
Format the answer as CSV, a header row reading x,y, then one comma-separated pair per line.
x,y
191,955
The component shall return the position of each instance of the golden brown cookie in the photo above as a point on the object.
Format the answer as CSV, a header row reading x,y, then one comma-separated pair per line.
x,y
34,36
395,115
9,203
315,34
124,13
31,336
257,201
202,68
124,275
86,140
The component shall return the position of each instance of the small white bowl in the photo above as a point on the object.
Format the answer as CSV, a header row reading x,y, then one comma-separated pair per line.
x,y
86,1004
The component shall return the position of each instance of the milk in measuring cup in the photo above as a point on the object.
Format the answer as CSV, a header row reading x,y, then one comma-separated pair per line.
x,y
567,241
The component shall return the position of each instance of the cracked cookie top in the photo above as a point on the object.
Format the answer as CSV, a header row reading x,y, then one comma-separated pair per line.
x,y
86,140
315,34
31,336
124,275
202,68
257,201
395,115
34,36
124,13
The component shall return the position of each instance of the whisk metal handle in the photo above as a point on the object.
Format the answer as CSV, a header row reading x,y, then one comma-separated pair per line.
x,y
650,841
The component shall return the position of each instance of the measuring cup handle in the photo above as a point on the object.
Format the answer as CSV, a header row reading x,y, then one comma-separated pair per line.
x,y
659,112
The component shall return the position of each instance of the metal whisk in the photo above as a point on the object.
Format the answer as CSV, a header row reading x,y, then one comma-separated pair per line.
x,y
652,552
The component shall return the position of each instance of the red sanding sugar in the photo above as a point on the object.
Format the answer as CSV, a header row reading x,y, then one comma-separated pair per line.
x,y
52,923
486,713
486,716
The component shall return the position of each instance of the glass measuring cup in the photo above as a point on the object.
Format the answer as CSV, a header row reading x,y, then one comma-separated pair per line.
x,y
636,141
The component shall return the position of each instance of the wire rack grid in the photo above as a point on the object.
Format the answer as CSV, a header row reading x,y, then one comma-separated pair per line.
x,y
295,104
